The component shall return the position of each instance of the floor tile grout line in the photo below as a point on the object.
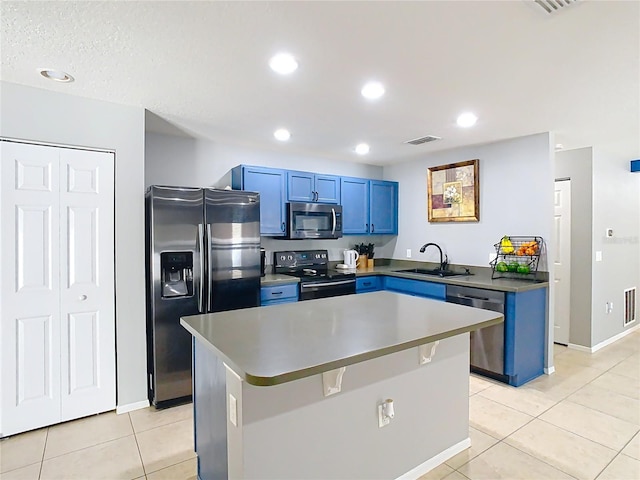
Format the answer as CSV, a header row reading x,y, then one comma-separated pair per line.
x,y
585,438
46,438
89,446
135,437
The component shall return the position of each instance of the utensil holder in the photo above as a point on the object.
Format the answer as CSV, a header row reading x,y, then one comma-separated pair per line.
x,y
369,262
362,262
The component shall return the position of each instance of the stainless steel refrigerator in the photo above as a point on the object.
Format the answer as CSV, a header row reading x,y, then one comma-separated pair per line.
x,y
203,255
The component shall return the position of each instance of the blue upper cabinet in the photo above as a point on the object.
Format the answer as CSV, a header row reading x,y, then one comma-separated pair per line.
x,y
383,207
369,207
271,184
355,205
310,187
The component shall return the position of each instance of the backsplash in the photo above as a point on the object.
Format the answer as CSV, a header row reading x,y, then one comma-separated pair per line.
x,y
384,246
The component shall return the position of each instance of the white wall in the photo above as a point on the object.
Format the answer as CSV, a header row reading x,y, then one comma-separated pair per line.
x,y
45,116
181,160
615,205
516,198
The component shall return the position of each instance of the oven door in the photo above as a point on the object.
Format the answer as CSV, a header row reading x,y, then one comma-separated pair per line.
x,y
314,220
327,288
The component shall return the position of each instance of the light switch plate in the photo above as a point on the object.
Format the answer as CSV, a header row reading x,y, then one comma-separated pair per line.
x,y
233,410
408,253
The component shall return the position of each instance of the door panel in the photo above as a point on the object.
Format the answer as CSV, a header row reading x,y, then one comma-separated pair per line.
x,y
34,354
33,247
562,261
82,236
87,288
29,290
84,352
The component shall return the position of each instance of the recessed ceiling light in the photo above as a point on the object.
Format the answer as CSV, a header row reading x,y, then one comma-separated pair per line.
x,y
283,63
282,134
372,90
57,75
467,119
362,149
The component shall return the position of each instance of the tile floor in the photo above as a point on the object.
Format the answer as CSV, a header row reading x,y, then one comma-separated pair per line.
x,y
582,422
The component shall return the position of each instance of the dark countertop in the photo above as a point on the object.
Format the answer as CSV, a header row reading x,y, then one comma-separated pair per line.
x,y
282,343
481,277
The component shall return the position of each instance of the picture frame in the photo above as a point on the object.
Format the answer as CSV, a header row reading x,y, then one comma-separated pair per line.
x,y
453,192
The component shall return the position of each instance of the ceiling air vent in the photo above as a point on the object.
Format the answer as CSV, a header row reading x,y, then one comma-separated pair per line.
x,y
553,6
421,140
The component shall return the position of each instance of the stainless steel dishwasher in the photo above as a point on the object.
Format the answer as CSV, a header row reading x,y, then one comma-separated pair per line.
x,y
487,344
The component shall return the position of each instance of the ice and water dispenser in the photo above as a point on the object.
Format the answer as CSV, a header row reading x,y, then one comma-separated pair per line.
x,y
177,274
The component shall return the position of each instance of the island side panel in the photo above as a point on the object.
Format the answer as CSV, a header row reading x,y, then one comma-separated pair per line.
x,y
210,412
291,431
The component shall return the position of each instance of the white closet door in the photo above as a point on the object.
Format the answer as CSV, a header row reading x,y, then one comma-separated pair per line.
x,y
30,294
87,283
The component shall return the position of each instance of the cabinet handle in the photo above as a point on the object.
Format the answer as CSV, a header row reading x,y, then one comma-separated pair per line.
x,y
315,196
277,293
282,227
366,284
366,227
373,228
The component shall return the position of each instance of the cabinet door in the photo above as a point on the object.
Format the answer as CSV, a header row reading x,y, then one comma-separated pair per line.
x,y
355,205
383,207
270,183
327,188
300,187
87,285
30,307
419,288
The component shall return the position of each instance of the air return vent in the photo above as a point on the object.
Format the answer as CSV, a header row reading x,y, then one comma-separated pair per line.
x,y
629,306
421,140
554,6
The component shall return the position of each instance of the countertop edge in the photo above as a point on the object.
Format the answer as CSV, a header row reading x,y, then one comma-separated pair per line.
x,y
463,281
260,381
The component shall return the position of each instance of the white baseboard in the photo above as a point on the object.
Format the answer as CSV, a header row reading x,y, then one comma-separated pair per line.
x,y
608,341
130,407
433,462
550,370
580,348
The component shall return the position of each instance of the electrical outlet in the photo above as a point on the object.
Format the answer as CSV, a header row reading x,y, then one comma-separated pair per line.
x,y
383,420
608,307
408,253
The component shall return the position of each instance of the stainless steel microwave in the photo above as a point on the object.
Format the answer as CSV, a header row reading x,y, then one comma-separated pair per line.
x,y
313,220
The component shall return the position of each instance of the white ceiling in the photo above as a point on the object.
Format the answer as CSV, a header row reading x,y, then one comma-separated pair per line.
x,y
202,66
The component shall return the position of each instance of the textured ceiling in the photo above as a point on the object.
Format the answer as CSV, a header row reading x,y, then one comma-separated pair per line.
x,y
202,66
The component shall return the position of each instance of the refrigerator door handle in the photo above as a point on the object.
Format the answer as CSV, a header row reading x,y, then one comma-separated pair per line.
x,y
333,230
202,256
209,282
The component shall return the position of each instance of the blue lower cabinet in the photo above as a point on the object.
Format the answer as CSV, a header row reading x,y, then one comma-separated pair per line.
x,y
419,288
368,284
524,335
276,294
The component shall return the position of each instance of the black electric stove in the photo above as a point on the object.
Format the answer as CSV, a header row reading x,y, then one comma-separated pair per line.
x,y
312,268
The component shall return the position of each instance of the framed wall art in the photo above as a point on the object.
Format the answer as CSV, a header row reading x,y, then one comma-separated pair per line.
x,y
453,192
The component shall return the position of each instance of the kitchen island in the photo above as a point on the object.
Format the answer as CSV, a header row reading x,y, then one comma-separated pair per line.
x,y
271,399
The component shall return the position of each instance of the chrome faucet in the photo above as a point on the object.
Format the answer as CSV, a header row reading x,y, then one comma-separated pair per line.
x,y
443,261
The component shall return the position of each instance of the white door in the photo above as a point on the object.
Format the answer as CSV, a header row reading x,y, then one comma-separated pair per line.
x,y
562,261
86,283
56,292
30,293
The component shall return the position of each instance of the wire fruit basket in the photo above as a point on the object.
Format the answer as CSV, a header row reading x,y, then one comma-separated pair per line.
x,y
517,257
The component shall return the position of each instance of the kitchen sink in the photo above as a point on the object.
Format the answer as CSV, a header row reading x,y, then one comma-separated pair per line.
x,y
434,272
